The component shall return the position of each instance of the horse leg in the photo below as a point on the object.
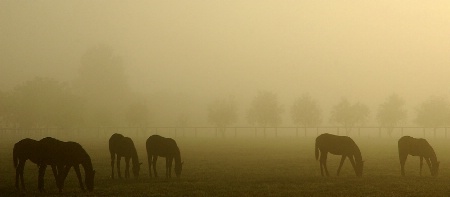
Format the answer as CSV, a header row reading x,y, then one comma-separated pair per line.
x,y
80,181
323,161
352,161
427,159
421,164
63,176
155,158
149,160
42,168
127,167
19,174
113,157
168,166
60,171
403,157
55,173
118,166
340,165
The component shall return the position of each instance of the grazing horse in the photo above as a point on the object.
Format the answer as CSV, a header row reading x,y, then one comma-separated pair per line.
x,y
123,147
417,147
338,145
66,155
163,147
27,149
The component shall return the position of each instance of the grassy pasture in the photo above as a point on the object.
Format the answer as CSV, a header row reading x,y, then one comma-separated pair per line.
x,y
249,167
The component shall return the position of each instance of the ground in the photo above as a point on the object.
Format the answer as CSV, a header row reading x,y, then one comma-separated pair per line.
x,y
248,166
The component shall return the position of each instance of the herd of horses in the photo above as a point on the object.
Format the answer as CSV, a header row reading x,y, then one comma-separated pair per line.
x,y
346,147
61,156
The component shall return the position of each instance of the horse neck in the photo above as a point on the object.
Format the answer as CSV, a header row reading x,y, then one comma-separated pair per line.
x,y
357,154
87,164
433,158
177,158
134,157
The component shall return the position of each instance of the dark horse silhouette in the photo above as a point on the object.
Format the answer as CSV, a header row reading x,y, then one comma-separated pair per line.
x,y
417,147
27,149
163,147
65,155
338,145
123,147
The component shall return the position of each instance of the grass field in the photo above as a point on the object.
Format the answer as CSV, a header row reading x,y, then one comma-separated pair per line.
x,y
249,167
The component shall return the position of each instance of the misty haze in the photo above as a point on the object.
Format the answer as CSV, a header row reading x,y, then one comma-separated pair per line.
x,y
224,98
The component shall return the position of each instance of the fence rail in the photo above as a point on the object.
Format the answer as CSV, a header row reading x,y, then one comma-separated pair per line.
x,y
105,132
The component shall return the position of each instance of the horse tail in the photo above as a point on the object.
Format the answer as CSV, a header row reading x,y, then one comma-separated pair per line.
x,y
317,151
15,159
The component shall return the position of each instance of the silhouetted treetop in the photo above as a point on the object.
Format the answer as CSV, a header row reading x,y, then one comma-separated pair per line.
x,y
306,112
434,112
265,110
222,112
391,112
349,115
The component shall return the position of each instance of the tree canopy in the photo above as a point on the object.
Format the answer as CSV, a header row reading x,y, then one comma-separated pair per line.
x,y
222,112
265,110
349,115
391,112
434,112
306,112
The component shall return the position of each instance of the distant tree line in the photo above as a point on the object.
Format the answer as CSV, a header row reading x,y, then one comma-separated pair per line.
x,y
100,96
265,111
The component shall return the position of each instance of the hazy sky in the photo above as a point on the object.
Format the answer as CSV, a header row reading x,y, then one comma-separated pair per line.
x,y
362,50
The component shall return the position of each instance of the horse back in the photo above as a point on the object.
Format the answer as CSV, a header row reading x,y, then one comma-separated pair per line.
x,y
160,146
338,145
415,146
120,145
54,151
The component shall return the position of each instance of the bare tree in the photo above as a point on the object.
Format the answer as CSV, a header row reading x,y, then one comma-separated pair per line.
x,y
349,115
306,112
433,113
391,113
265,110
222,113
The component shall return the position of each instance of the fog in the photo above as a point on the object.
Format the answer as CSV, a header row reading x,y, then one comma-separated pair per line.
x,y
197,51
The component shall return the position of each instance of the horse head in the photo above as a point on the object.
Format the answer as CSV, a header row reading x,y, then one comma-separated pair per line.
x,y
359,165
435,168
136,169
89,179
178,169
